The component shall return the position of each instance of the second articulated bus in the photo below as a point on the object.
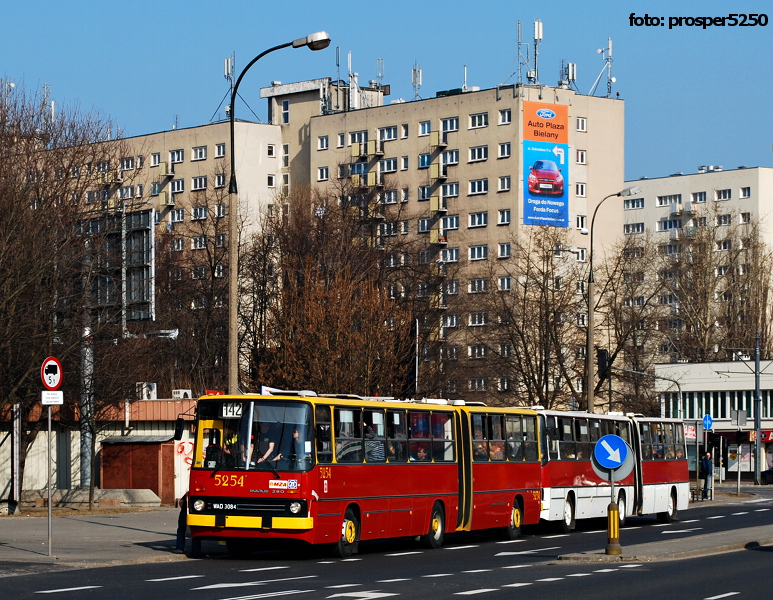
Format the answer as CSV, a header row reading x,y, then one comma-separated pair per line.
x,y
341,469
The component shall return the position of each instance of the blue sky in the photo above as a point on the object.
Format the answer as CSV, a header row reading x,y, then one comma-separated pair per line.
x,y
693,96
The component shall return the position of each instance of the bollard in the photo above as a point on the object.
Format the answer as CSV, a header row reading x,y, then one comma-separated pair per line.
x,y
613,530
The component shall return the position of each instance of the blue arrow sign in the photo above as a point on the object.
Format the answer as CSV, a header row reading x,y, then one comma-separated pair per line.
x,y
611,451
708,422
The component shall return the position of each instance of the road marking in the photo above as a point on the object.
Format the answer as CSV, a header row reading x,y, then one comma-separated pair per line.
x,y
548,579
75,589
261,569
392,580
558,535
351,559
516,566
342,585
216,586
716,517
472,592
605,570
439,575
740,513
175,578
597,531
510,541
690,521
373,594
517,584
629,566
404,553
579,574
527,551
459,547
627,528
689,530
479,571
761,509
270,595
722,596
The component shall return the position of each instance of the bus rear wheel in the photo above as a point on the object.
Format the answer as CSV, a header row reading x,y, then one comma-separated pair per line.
x,y
622,508
437,526
670,513
513,529
567,518
350,532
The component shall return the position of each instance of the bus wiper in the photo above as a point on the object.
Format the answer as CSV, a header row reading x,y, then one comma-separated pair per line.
x,y
273,470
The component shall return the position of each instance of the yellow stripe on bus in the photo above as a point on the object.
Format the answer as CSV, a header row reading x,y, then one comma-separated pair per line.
x,y
252,522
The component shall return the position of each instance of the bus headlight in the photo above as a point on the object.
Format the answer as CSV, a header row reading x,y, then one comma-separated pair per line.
x,y
295,507
198,505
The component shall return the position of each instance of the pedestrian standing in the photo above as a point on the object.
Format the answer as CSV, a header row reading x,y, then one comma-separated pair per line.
x,y
707,470
182,524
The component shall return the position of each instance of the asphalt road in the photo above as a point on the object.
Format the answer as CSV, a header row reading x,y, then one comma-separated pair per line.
x,y
467,565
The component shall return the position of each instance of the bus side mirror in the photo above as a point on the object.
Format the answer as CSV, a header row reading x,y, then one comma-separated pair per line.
x,y
179,427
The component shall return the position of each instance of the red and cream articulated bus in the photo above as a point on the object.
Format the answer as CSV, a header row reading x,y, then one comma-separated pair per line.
x,y
336,470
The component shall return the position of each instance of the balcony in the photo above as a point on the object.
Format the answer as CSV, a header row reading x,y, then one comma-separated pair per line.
x,y
437,171
437,236
437,204
437,139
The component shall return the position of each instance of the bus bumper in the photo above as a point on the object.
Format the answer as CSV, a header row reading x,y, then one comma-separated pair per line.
x,y
250,522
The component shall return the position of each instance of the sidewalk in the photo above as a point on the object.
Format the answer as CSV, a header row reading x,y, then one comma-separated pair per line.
x,y
148,535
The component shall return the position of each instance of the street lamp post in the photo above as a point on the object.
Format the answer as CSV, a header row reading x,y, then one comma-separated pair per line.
x,y
314,41
589,350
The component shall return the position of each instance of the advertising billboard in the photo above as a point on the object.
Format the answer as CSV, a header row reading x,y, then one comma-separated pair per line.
x,y
545,164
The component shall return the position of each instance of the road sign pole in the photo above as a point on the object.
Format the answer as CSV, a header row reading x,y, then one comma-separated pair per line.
x,y
613,522
49,480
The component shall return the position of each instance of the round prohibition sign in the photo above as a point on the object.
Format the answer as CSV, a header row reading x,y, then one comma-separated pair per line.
x,y
51,373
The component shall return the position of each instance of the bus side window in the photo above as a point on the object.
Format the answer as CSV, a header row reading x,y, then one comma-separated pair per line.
x,y
515,438
442,436
479,442
324,445
496,441
567,448
348,428
374,436
397,444
213,453
530,439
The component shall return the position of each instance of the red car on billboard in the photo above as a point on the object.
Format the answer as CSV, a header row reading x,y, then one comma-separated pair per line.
x,y
545,178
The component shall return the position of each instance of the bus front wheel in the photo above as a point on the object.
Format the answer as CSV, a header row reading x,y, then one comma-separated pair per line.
x,y
350,532
437,526
513,529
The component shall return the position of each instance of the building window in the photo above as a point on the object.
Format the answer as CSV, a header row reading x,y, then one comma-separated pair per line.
x,y
405,195
198,213
746,192
199,153
285,155
479,252
358,137
746,217
505,283
178,244
323,142
724,220
504,150
582,319
699,196
271,181
451,157
388,165
477,384
450,124
220,211
582,124
341,140
285,112
155,159
425,128
479,285
582,221
669,200
387,133
449,255
505,250
449,222
424,192
424,225
633,203
478,219
404,163
581,159
724,245
389,197
425,160
479,120
177,186
722,195
219,150
404,130
176,156
220,180
199,242
580,190
322,174
199,183
504,184
631,228
581,254
478,186
478,153
450,190
127,164
503,217
177,215
505,116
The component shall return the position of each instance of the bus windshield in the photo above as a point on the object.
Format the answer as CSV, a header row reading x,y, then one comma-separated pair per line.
x,y
254,435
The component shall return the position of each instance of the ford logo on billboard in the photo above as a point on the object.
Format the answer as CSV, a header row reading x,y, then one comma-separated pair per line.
x,y
545,113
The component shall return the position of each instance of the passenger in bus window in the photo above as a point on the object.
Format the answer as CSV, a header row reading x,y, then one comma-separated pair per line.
x,y
230,447
419,453
679,453
496,451
374,447
480,450
266,444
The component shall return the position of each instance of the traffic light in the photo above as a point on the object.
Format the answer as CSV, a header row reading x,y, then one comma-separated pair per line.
x,y
603,363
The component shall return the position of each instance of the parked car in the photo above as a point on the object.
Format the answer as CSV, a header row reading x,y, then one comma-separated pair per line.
x,y
545,178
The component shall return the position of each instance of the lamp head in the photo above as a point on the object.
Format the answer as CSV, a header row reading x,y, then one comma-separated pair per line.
x,y
315,41
630,191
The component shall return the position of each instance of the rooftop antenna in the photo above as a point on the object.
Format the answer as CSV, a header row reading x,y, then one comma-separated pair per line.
x,y
568,75
338,70
606,54
464,85
533,75
416,80
229,68
380,70
523,59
